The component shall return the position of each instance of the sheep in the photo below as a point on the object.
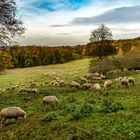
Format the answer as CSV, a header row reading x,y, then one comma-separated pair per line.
x,y
131,80
124,81
12,112
50,100
75,84
61,82
87,86
22,90
42,84
84,79
30,90
119,79
103,76
54,83
8,88
33,84
97,87
96,74
107,84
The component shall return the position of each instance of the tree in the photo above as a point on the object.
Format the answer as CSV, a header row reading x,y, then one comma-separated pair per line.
x,y
9,24
100,36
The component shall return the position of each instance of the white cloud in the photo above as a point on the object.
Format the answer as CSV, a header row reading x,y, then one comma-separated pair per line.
x,y
38,23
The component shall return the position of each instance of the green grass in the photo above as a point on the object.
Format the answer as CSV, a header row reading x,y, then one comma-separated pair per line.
x,y
81,114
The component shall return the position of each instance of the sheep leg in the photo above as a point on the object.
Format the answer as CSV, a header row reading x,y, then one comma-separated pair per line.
x,y
3,121
16,118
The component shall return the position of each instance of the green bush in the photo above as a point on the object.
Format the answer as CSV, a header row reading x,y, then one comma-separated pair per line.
x,y
52,116
76,115
86,109
108,106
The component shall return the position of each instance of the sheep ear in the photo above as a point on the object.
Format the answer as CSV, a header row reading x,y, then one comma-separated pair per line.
x,y
25,116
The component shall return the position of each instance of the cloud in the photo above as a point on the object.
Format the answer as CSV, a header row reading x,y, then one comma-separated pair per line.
x,y
56,22
117,15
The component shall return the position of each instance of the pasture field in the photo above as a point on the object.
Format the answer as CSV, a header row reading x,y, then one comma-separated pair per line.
x,y
81,115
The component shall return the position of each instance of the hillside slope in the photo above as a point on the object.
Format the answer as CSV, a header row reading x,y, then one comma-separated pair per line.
x,y
81,114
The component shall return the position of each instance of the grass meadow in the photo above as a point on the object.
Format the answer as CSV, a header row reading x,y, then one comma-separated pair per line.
x,y
81,115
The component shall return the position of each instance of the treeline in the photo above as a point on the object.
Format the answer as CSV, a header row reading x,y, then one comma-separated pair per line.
x,y
29,56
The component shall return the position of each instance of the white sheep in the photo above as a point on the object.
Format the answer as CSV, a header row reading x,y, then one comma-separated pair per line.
x,y
107,84
124,81
29,90
97,87
22,90
131,80
75,84
87,86
12,112
34,90
50,100
84,79
119,79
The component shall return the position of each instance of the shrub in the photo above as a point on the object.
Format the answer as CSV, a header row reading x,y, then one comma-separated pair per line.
x,y
101,65
76,115
52,116
86,109
83,111
108,106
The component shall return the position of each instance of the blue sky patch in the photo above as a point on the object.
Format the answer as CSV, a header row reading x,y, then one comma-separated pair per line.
x,y
55,5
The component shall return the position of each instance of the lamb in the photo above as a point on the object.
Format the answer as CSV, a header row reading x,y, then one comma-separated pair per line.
x,y
50,100
87,86
107,84
124,81
75,84
97,87
12,112
131,80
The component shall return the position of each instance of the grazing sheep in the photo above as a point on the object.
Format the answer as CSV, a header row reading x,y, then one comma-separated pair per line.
x,y
97,78
54,83
131,80
96,74
30,90
87,86
8,88
107,84
12,112
42,84
97,87
50,100
33,84
124,81
61,82
75,84
119,79
22,90
84,79
102,76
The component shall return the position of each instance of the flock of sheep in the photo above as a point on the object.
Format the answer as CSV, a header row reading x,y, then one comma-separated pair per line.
x,y
16,112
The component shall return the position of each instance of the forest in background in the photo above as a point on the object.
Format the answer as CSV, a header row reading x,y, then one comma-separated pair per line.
x,y
28,56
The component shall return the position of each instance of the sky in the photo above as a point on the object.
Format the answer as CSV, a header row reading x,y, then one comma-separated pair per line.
x,y
70,22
